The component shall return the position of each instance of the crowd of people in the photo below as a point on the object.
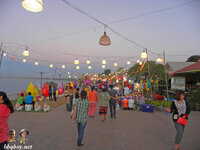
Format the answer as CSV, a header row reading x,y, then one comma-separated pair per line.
x,y
82,103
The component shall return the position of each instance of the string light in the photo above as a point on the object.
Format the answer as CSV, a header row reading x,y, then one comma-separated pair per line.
x,y
24,60
159,60
33,5
76,62
63,66
128,62
51,65
115,64
103,66
36,63
89,67
77,67
88,62
138,61
26,52
13,57
144,54
4,54
103,62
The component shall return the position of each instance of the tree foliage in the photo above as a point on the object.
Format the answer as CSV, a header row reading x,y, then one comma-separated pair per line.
x,y
107,71
193,58
156,71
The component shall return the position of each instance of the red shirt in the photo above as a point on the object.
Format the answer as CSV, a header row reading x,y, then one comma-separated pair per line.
x,y
4,114
125,103
93,96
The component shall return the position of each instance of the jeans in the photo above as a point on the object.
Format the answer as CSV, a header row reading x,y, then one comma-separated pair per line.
x,y
71,100
50,96
112,108
81,128
54,96
179,132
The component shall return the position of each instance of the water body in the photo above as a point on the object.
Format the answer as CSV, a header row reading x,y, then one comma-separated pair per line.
x,y
13,86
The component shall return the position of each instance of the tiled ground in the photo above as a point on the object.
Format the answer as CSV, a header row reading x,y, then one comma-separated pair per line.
x,y
131,130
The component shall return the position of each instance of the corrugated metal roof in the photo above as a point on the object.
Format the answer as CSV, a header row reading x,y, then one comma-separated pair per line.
x,y
172,67
190,68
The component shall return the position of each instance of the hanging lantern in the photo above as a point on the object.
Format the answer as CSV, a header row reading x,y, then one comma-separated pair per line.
x,y
51,65
159,60
76,62
77,67
88,62
63,66
103,61
24,60
144,54
13,57
26,53
89,67
128,62
36,63
4,53
104,40
33,5
103,66
69,76
138,61
115,64
68,73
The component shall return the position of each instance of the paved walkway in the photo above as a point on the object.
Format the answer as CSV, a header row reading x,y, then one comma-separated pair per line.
x,y
131,130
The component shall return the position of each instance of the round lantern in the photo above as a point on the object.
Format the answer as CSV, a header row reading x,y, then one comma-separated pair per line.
x,y
13,57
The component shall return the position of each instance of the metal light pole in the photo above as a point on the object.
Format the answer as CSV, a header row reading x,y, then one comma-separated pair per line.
x,y
166,83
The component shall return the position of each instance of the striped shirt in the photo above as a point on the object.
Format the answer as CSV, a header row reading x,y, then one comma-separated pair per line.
x,y
82,110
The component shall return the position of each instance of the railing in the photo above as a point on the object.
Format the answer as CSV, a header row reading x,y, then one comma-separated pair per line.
x,y
13,96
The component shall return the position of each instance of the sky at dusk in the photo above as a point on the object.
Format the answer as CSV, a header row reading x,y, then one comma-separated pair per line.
x,y
60,33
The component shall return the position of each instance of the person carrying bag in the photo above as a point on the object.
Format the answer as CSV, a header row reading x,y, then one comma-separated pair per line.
x,y
180,109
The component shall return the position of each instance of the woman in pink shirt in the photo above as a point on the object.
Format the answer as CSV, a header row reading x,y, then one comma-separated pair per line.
x,y
6,109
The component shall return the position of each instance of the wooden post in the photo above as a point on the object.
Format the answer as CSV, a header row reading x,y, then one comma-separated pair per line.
x,y
166,81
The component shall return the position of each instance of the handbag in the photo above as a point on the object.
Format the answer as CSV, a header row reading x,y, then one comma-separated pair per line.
x,y
181,120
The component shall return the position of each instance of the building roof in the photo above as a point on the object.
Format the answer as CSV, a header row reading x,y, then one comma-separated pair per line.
x,y
172,67
191,68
